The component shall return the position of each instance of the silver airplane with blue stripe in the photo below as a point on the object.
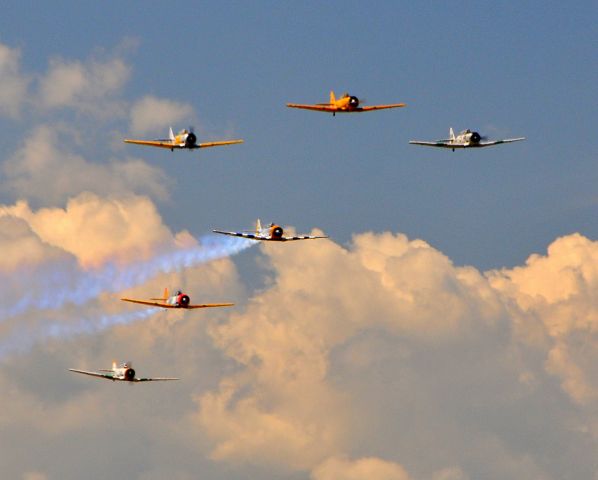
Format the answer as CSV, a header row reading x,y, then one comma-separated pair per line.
x,y
273,233
121,373
465,139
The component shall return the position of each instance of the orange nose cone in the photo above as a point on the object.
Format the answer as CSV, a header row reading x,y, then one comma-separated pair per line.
x,y
276,231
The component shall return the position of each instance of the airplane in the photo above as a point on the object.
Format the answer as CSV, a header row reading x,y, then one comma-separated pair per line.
x,y
465,139
184,139
272,233
178,300
122,373
346,104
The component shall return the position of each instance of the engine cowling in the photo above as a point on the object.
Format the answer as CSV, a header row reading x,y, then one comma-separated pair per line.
x,y
277,232
191,140
183,300
129,374
475,137
354,101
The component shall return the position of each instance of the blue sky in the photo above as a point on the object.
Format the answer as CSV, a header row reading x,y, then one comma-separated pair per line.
x,y
434,338
507,70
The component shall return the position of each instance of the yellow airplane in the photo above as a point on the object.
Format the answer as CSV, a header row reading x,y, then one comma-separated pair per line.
x,y
346,104
184,139
178,300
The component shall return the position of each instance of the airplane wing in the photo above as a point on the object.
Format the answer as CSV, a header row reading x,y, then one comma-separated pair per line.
x,y
438,143
218,144
251,236
381,107
157,379
153,143
151,304
302,237
210,305
108,376
498,142
318,108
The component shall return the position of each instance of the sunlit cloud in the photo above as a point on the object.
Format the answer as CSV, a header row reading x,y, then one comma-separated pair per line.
x,y
46,169
397,317
151,115
94,246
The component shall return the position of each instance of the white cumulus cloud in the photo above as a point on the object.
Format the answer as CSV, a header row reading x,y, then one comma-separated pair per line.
x,y
45,168
151,114
13,84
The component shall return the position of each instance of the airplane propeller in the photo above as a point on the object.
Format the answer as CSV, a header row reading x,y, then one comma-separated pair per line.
x,y
354,101
476,137
191,137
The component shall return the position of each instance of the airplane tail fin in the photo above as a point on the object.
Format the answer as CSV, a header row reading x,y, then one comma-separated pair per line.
x,y
451,133
114,365
171,134
332,97
258,227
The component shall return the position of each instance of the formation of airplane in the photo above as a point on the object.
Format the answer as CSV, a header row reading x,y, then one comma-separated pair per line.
x,y
178,300
184,139
272,232
465,139
346,104
121,373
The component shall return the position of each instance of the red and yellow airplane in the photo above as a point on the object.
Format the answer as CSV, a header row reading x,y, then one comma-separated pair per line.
x,y
178,300
184,139
346,104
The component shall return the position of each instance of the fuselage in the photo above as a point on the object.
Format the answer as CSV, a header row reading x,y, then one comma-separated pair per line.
x,y
276,232
123,372
180,300
466,138
347,103
185,139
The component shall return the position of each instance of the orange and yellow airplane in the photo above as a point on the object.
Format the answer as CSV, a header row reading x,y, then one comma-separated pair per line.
x,y
346,104
178,300
184,139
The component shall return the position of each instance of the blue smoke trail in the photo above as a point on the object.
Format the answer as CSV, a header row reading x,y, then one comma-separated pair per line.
x,y
58,284
23,339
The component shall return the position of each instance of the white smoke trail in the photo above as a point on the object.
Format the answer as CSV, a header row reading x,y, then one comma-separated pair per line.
x,y
63,282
